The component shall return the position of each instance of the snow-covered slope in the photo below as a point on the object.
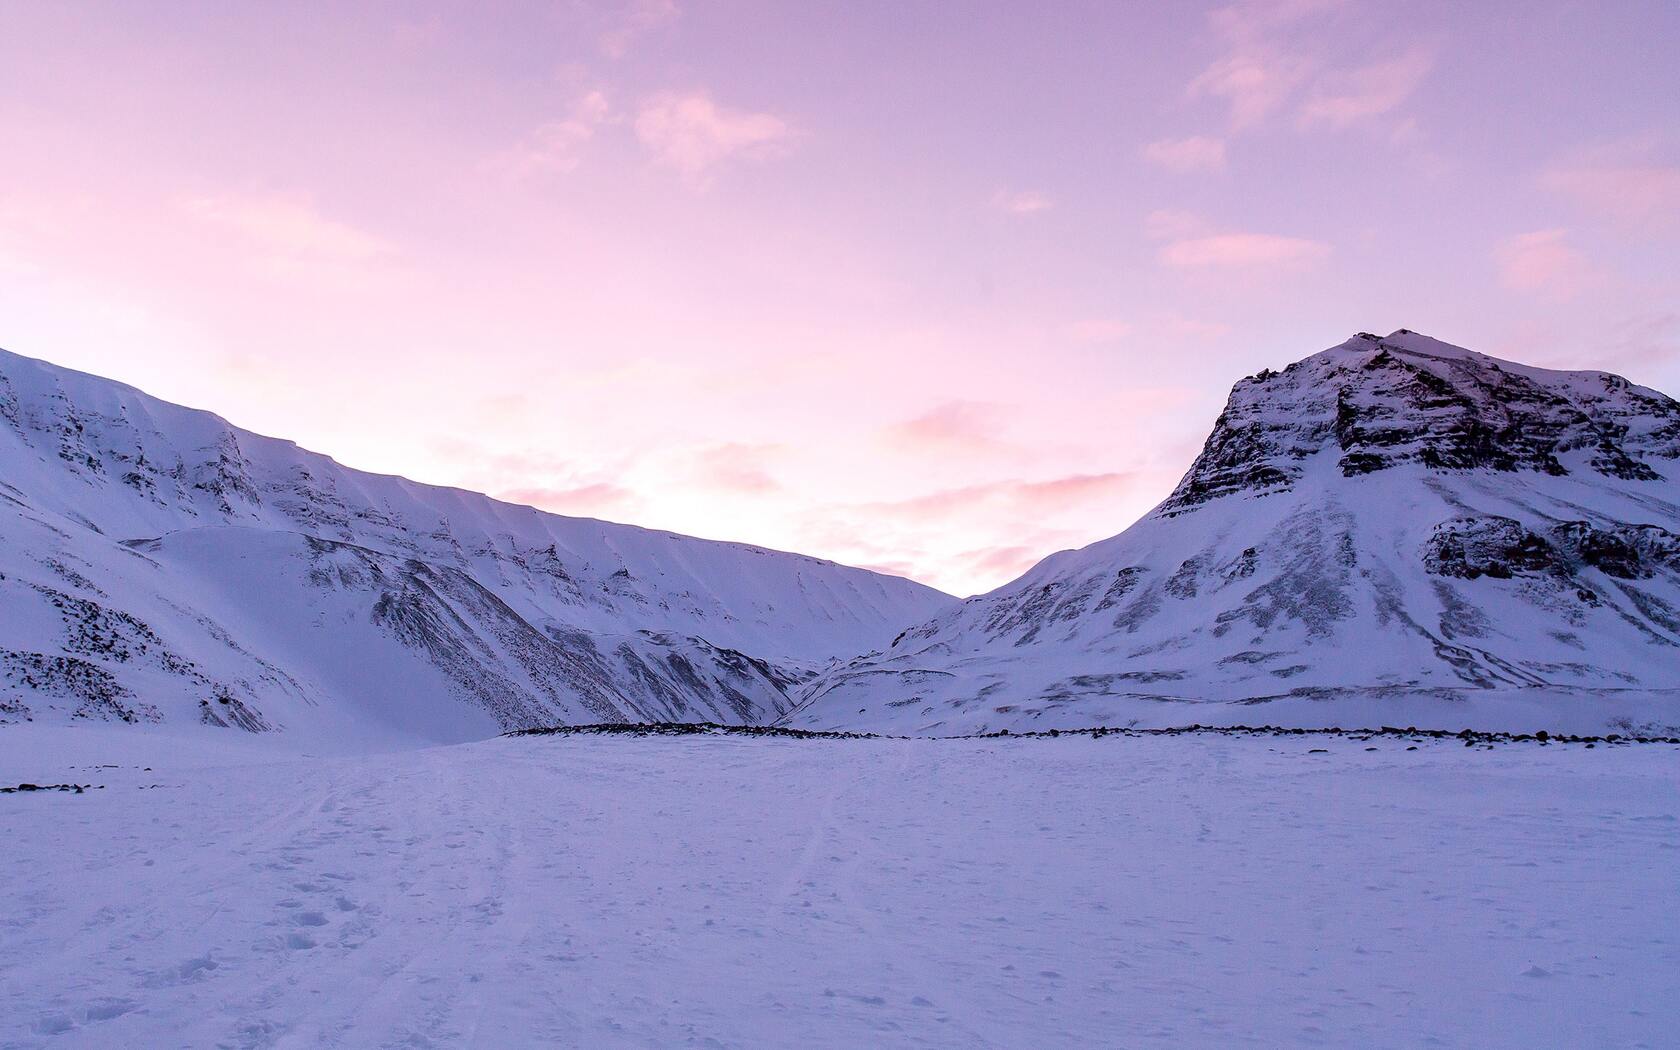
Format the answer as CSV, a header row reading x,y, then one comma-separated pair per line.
x,y
1395,530
157,563
619,894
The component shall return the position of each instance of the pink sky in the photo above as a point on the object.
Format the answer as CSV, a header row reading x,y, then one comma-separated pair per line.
x,y
932,292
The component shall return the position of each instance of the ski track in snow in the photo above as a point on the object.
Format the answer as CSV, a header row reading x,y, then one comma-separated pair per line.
x,y
635,892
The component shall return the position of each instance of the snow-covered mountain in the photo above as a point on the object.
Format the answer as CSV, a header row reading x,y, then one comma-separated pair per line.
x,y
1393,531
157,563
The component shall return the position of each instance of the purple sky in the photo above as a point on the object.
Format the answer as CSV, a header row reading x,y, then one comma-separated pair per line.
x,y
927,287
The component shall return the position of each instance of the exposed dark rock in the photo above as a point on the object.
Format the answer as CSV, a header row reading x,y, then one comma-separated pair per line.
x,y
1628,552
1491,546
1380,405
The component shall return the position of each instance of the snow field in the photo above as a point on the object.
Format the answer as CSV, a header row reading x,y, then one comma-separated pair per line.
x,y
654,892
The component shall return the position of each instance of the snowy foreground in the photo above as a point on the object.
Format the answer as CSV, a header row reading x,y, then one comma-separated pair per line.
x,y
597,892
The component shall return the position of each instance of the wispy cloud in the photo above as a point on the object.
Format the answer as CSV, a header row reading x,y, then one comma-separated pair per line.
x,y
1021,202
966,424
1628,182
637,19
693,134
1023,497
735,467
1005,562
1193,243
287,226
1543,261
1243,249
1177,326
595,498
1345,98
1278,57
1261,67
1098,330
1171,224
1196,153
557,146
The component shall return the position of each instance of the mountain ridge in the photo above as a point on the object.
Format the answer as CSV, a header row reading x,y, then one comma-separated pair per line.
x,y
163,564
1396,523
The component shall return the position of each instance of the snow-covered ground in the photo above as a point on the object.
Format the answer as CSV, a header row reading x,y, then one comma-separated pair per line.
x,y
599,892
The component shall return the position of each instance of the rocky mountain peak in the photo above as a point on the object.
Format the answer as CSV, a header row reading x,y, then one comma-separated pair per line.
x,y
1375,403
1393,531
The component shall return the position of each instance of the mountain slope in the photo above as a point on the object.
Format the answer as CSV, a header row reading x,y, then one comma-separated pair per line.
x,y
157,563
1394,530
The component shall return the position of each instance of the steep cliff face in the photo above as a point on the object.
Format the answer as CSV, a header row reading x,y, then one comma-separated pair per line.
x,y
158,564
1416,532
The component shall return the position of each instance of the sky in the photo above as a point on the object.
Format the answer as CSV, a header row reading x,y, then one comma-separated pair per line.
x,y
935,289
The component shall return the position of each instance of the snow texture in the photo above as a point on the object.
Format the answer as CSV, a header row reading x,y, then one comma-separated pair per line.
x,y
621,892
1393,531
160,565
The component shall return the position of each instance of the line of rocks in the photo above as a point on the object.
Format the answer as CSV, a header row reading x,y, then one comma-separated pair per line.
x,y
77,788
691,729
1412,733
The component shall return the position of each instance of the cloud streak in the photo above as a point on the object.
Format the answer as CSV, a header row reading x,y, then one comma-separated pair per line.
x,y
595,498
638,19
1242,250
735,467
1278,57
557,146
1196,153
287,226
1629,192
694,134
1343,99
964,424
1024,497
1543,262
1021,202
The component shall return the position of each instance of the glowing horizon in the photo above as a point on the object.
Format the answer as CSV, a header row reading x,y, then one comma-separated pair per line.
x,y
927,294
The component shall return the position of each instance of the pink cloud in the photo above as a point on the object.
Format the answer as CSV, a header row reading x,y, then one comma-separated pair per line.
x,y
1253,85
693,134
1003,562
1196,153
557,146
1021,202
594,498
638,19
1246,21
963,423
1021,497
1191,242
1168,224
1242,250
286,225
905,569
1262,67
1191,328
1098,330
1542,261
1643,342
1633,193
1278,57
737,467
1342,99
